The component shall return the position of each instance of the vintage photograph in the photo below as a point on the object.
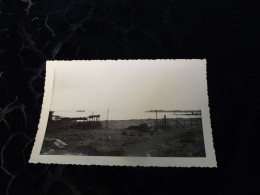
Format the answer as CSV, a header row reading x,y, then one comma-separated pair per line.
x,y
126,108
163,133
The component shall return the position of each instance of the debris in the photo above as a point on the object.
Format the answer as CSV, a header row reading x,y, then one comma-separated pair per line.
x,y
147,154
58,145
61,142
50,151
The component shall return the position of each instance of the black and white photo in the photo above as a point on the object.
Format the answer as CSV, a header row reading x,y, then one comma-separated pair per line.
x,y
125,112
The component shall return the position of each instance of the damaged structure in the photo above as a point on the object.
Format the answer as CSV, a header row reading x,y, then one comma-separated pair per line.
x,y
90,122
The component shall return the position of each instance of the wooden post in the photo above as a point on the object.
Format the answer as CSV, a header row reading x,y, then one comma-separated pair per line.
x,y
156,117
165,122
189,118
107,116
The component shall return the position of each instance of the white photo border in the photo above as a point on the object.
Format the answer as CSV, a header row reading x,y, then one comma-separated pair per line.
x,y
36,157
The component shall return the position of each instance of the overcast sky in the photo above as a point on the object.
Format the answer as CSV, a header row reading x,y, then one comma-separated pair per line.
x,y
127,88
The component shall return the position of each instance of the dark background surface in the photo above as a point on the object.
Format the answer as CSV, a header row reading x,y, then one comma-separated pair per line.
x,y
226,33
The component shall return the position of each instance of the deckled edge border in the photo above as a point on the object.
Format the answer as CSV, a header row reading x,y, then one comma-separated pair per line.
x,y
37,145
209,115
46,102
